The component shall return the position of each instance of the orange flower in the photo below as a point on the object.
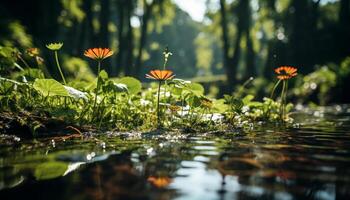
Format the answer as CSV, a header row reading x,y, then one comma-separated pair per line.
x,y
98,53
159,182
160,75
286,72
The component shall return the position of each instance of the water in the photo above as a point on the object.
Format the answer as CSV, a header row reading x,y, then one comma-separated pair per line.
x,y
310,160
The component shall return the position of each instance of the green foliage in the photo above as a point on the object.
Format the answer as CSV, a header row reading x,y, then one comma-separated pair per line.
x,y
133,85
28,75
18,35
50,87
73,12
235,104
78,69
321,80
7,58
344,70
121,104
195,88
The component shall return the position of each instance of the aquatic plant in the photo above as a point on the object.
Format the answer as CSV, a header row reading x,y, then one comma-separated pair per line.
x,y
121,104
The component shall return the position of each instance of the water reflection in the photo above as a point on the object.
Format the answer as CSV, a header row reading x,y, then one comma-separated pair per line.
x,y
310,161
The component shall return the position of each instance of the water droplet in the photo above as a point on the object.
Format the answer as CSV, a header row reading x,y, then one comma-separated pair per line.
x,y
313,86
53,143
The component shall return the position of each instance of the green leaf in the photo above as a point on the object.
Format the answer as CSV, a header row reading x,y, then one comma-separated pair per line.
x,y
177,91
134,86
6,87
50,87
111,87
194,101
49,170
235,104
248,99
103,75
120,87
196,88
219,106
29,74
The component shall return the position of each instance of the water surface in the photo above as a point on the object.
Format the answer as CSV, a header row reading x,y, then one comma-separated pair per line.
x,y
310,160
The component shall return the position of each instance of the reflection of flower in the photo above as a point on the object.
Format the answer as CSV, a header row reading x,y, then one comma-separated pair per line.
x,y
55,46
286,72
159,182
160,75
285,175
98,53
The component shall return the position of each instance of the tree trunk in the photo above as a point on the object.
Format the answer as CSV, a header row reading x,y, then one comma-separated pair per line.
x,y
144,27
229,70
121,39
129,40
344,24
250,57
104,36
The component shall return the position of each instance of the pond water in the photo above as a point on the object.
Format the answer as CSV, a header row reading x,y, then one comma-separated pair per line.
x,y
310,160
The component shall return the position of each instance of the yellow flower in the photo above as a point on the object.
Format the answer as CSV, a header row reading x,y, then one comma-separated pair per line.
x,y
54,46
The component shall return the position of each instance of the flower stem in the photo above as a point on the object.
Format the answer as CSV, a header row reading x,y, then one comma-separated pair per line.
x,y
283,100
23,61
97,87
59,68
158,107
274,88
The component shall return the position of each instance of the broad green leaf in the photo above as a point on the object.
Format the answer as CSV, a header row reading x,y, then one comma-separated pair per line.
x,y
248,99
50,87
134,85
177,91
196,88
219,106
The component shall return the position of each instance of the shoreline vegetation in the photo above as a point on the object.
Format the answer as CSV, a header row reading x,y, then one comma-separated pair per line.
x,y
34,105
